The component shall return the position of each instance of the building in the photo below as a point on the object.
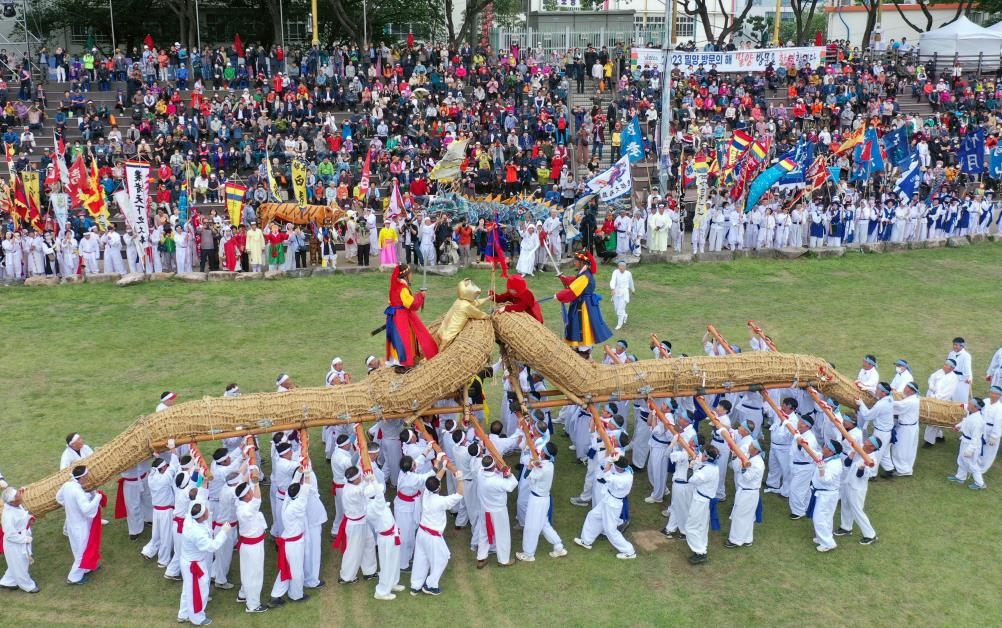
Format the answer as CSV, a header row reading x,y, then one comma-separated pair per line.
x,y
849,22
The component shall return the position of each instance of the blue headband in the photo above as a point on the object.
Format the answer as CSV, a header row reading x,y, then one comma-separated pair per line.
x,y
874,441
913,386
884,386
996,389
903,363
870,361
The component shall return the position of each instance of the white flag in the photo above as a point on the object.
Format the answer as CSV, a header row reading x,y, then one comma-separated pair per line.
x,y
614,182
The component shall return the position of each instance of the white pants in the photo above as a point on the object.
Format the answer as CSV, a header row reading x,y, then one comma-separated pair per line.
x,y
338,512
853,500
472,500
113,261
884,452
502,536
174,566
619,303
678,511
780,473
277,504
824,514
392,453
604,519
137,499
428,253
800,488
360,552
743,516
17,575
162,542
313,537
536,522
295,552
641,440
716,237
816,243
522,501
187,609
389,563
78,543
224,555
987,459
904,451
697,524
431,556
969,464
657,470
932,433
722,464
251,573
407,515
90,263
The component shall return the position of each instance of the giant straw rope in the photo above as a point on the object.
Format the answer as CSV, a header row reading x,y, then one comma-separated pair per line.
x,y
386,393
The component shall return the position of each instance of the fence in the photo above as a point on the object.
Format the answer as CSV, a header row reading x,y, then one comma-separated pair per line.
x,y
560,41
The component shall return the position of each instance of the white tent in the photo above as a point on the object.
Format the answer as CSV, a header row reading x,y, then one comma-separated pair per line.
x,y
996,27
966,39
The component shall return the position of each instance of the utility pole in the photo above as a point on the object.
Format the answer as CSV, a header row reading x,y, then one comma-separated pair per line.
x,y
316,22
666,99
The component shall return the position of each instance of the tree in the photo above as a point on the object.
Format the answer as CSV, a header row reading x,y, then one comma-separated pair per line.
x,y
184,10
803,16
817,24
732,23
927,16
872,11
94,16
347,15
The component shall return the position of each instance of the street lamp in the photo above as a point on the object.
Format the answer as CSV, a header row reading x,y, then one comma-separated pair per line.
x,y
111,15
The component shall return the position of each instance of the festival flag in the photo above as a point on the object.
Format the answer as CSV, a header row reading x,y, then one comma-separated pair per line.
x,y
299,182
896,147
803,155
768,178
632,141
614,182
396,206
688,173
907,184
22,206
972,152
31,188
235,194
835,174
447,168
853,140
97,204
148,41
740,142
867,158
363,182
995,163
272,184
238,45
8,150
497,249
136,207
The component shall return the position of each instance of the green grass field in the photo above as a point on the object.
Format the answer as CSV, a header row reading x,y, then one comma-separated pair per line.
x,y
92,358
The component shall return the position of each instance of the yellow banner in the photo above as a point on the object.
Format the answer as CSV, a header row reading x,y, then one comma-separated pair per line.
x,y
31,189
299,181
272,185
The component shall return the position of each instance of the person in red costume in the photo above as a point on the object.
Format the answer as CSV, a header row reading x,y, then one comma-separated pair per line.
x,y
234,247
406,335
518,298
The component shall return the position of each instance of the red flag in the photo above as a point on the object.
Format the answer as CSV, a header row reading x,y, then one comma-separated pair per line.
x,y
148,41
497,256
238,45
363,183
20,201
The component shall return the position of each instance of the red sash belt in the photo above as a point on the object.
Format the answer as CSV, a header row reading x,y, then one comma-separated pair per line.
x,y
284,568
180,524
121,512
167,507
430,531
249,540
404,497
394,532
335,486
489,523
196,591
341,540
92,553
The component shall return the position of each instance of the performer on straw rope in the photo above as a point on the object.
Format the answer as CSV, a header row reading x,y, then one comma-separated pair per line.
x,y
583,323
406,336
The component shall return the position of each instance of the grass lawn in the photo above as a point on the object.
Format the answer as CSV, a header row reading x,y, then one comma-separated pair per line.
x,y
92,358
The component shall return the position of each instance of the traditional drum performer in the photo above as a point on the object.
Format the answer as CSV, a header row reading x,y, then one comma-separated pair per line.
x,y
406,335
583,323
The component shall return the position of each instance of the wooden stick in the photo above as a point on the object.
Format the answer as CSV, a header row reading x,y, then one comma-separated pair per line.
x,y
488,443
364,460
659,413
827,409
796,434
661,348
252,456
199,459
423,431
596,420
716,334
761,334
728,438
523,413
613,355
304,448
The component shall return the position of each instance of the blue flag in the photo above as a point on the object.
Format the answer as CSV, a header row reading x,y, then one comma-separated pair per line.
x,y
908,183
897,148
995,163
835,174
768,178
972,152
803,155
866,157
632,141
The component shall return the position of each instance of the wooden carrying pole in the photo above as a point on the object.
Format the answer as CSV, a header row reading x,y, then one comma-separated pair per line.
x,y
659,413
716,334
423,431
761,334
488,443
596,421
522,414
661,348
364,460
304,448
796,434
728,438
827,409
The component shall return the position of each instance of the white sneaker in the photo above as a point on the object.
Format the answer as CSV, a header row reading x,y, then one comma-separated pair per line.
x,y
822,548
650,499
525,557
664,513
622,556
618,327
578,541
387,597
397,588
557,553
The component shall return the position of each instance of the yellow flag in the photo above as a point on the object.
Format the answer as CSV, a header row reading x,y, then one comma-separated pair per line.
x,y
272,185
31,190
447,169
299,181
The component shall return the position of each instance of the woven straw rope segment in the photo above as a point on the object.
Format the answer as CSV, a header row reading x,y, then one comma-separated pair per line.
x,y
531,343
386,393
